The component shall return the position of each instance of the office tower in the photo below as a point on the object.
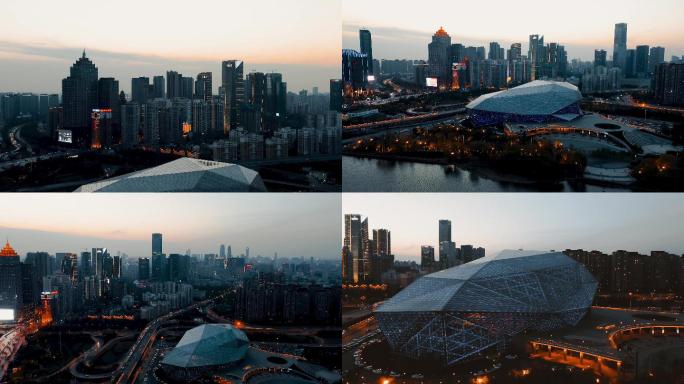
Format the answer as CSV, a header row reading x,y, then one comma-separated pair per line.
x,y
480,53
159,271
158,89
641,61
620,46
382,241
599,58
354,70
40,262
178,267
157,244
86,264
143,268
130,124
203,86
252,112
421,72
457,53
447,254
353,243
669,84
366,254
439,60
366,45
10,280
630,63
494,51
336,95
117,270
102,131
467,253
276,101
233,86
98,260
655,57
222,251
444,230
201,117
427,258
140,89
173,84
515,52
69,266
108,100
536,56
79,97
186,87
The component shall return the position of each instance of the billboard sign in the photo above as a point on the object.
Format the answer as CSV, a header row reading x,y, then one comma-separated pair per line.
x,y
431,82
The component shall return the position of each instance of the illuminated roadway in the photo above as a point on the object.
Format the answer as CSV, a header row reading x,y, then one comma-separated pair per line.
x,y
127,369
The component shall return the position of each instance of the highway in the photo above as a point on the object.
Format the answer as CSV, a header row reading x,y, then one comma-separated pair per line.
x,y
128,368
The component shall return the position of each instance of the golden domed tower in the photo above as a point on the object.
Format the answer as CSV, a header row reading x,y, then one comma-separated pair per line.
x,y
8,250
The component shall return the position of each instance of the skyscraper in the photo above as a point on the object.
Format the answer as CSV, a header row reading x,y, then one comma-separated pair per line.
x,y
203,86
599,58
641,63
655,57
366,45
669,84
444,230
10,279
336,95
427,257
353,243
537,57
173,84
233,86
143,268
495,51
620,45
157,244
79,97
439,60
515,52
140,89
158,89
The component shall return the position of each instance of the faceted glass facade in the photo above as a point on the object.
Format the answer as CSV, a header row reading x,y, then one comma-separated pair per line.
x,y
458,312
538,101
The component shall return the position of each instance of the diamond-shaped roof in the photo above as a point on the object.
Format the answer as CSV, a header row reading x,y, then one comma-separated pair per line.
x,y
518,281
209,344
183,175
539,97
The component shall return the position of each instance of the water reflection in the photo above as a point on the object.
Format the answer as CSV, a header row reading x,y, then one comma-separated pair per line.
x,y
373,175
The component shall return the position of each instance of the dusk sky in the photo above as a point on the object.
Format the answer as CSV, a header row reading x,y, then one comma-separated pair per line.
x,y
41,39
402,30
291,224
498,221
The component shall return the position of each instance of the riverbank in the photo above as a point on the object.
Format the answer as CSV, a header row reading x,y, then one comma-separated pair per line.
x,y
406,176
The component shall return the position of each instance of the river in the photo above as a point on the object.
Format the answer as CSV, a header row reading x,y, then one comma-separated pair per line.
x,y
374,175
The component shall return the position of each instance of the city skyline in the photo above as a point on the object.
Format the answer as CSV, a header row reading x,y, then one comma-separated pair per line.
x,y
597,32
530,221
304,227
37,57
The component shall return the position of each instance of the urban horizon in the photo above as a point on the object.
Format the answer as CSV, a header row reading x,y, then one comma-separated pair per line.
x,y
42,228
148,46
587,223
408,41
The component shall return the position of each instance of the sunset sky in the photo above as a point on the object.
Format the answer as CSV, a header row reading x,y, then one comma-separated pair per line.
x,y
40,39
532,221
402,29
290,224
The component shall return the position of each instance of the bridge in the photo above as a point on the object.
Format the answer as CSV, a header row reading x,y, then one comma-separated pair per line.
x,y
629,332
